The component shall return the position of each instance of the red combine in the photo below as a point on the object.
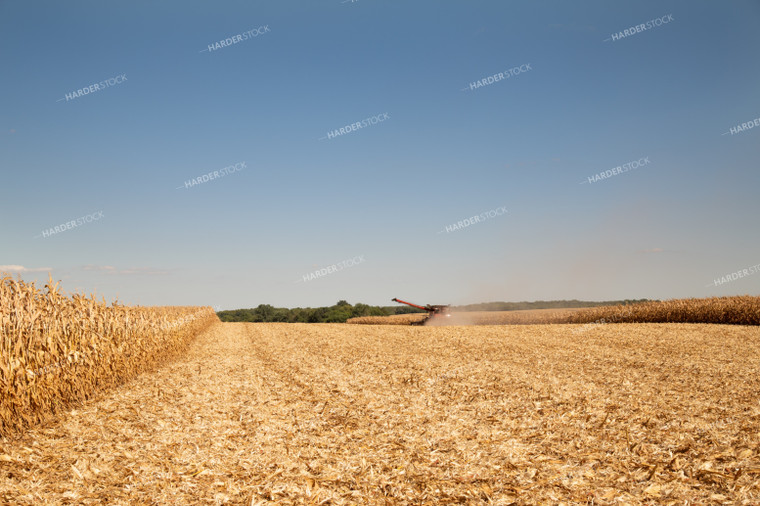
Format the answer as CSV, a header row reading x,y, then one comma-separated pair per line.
x,y
436,313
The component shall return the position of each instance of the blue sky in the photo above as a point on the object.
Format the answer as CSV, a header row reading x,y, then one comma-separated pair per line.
x,y
385,192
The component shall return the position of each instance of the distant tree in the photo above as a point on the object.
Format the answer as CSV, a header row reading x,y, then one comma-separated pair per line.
x,y
280,314
339,313
318,315
264,313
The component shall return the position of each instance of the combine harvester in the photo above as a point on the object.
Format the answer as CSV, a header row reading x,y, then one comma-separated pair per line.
x,y
436,314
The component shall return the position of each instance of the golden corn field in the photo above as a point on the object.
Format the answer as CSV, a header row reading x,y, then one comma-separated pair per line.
x,y
518,317
738,310
396,319
57,349
276,413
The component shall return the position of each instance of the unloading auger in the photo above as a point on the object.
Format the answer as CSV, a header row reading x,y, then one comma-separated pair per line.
x,y
435,312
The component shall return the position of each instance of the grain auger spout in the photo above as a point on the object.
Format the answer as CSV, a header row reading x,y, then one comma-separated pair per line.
x,y
435,312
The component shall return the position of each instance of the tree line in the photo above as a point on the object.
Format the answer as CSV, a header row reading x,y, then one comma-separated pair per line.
x,y
342,310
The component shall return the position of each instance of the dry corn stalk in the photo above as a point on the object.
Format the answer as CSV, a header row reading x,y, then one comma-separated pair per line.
x,y
397,319
519,317
56,349
737,310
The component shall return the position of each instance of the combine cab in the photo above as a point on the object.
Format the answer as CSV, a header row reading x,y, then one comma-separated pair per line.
x,y
437,314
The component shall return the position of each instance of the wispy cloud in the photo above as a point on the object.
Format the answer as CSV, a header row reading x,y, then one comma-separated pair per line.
x,y
21,268
110,269
107,268
144,270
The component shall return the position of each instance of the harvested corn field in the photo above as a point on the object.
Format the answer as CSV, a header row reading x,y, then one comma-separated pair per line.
x,y
342,414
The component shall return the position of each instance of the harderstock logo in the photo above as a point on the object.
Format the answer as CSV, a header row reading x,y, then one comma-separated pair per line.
x,y
102,85
747,125
372,120
240,37
330,269
499,76
211,176
484,216
652,23
634,164
741,273
601,321
88,218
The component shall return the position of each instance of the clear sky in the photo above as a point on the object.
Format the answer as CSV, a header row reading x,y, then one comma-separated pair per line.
x,y
120,159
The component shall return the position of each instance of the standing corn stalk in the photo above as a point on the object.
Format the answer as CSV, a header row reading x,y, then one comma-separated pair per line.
x,y
55,349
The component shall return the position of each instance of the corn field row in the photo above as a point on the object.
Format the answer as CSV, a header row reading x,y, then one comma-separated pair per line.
x,y
396,319
56,349
737,310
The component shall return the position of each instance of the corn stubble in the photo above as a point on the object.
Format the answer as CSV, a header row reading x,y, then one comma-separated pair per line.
x,y
269,413
56,349
275,413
